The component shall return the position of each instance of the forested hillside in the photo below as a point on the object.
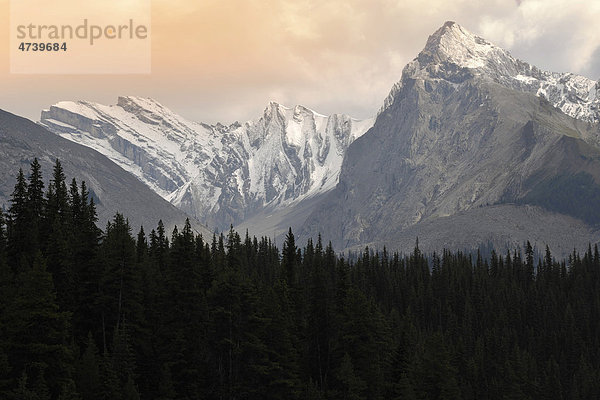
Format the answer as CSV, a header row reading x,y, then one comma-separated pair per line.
x,y
90,313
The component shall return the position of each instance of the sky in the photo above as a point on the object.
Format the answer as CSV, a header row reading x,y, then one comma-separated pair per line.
x,y
224,60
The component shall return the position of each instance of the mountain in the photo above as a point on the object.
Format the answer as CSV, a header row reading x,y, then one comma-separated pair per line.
x,y
113,189
469,139
219,174
471,146
453,54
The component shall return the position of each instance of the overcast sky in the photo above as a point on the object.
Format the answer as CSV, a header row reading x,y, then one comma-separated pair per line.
x,y
224,60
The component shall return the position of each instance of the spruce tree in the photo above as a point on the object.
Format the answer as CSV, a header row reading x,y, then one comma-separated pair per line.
x,y
69,392
320,329
84,241
122,355
7,290
159,246
141,246
529,262
23,390
183,309
37,331
289,259
406,390
130,391
120,284
59,256
35,205
57,196
18,226
352,387
166,391
77,206
88,371
277,339
109,382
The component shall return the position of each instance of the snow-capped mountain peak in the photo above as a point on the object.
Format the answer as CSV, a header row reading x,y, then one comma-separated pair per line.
x,y
452,43
218,173
455,55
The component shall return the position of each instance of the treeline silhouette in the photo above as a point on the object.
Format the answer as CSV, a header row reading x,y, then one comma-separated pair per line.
x,y
100,314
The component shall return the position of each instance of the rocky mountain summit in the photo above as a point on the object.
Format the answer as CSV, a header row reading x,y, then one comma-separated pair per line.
x,y
455,55
468,127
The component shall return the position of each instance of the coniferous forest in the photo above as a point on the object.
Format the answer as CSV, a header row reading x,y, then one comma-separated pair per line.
x,y
115,314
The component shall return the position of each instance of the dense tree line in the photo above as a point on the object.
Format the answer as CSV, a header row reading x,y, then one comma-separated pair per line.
x,y
102,314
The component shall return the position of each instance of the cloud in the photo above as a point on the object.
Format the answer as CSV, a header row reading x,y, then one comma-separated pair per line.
x,y
552,34
223,60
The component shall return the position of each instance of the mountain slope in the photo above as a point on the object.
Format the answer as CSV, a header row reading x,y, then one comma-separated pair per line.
x,y
114,189
219,174
460,133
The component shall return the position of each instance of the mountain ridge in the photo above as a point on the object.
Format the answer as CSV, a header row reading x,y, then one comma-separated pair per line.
x,y
468,127
219,174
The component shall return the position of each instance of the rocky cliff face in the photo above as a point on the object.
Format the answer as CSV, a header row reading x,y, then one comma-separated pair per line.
x,y
463,130
219,174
